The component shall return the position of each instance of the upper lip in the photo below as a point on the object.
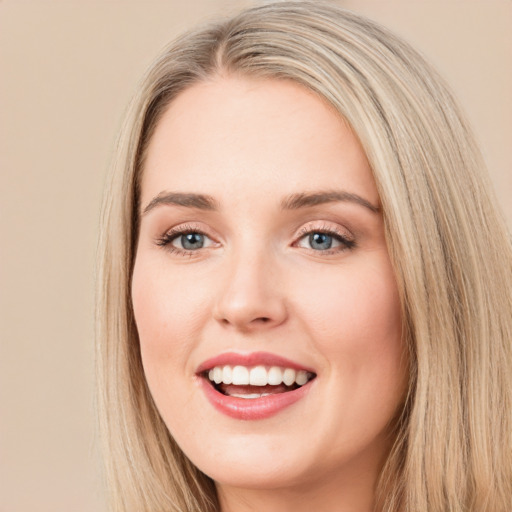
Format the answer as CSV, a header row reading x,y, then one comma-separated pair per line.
x,y
250,359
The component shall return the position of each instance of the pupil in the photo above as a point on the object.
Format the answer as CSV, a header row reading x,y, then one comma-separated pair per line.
x,y
192,241
320,241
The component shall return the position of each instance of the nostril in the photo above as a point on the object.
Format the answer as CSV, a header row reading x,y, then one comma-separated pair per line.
x,y
255,321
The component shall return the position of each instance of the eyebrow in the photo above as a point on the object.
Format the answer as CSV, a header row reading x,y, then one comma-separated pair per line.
x,y
199,201
305,200
291,202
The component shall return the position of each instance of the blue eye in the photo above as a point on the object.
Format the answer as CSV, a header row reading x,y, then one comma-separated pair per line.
x,y
320,241
185,240
190,241
325,240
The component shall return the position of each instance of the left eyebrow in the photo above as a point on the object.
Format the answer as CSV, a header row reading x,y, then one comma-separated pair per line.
x,y
199,201
306,200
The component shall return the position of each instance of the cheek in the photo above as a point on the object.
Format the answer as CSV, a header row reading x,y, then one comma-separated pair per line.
x,y
351,307
354,317
167,324
167,315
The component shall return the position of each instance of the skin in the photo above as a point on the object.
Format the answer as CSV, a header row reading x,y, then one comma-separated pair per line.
x,y
258,284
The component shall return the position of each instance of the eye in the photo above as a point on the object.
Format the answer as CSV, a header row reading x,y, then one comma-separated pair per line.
x,y
185,240
321,241
189,241
328,241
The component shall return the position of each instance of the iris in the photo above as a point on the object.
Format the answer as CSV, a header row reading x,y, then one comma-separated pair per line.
x,y
192,241
321,241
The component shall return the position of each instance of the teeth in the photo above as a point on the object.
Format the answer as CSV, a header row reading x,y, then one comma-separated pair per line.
x,y
289,376
275,376
217,375
240,376
249,395
302,377
258,376
227,375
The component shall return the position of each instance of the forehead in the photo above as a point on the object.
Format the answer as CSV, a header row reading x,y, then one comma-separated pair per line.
x,y
236,136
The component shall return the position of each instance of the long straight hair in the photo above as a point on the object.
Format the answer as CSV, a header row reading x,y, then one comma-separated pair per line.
x,y
447,241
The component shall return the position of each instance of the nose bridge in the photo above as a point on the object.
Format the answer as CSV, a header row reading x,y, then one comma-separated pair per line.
x,y
251,296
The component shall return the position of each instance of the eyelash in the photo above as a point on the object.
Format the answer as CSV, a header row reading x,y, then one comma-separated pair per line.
x,y
167,238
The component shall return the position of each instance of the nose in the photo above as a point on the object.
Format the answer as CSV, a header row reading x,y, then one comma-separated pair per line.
x,y
251,297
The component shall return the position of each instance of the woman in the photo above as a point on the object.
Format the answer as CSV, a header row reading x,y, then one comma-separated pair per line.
x,y
305,286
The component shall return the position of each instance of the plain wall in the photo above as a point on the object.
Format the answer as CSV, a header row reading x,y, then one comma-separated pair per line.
x,y
67,71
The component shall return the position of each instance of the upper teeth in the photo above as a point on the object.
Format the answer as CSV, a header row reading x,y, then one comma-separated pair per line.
x,y
258,375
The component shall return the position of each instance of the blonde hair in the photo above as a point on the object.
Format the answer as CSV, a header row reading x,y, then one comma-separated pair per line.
x,y
448,244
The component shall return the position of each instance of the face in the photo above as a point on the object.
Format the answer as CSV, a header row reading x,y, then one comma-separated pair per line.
x,y
262,266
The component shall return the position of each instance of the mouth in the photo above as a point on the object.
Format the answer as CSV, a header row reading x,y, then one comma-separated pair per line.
x,y
253,386
255,382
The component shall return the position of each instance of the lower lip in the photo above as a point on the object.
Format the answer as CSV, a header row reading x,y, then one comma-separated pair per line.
x,y
252,408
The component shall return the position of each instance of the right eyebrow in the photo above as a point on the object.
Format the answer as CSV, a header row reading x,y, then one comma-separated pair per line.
x,y
307,200
200,201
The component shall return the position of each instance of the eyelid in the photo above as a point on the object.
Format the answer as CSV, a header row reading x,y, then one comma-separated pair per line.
x,y
324,226
187,227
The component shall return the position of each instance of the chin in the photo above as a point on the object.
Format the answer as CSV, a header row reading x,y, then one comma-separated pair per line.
x,y
256,474
258,463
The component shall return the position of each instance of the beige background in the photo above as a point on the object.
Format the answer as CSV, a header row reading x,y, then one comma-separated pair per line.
x,y
67,70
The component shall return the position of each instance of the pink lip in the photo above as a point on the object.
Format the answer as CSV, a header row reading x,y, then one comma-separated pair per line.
x,y
252,359
251,408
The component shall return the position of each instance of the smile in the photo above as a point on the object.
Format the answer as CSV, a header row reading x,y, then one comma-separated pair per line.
x,y
250,391
250,383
